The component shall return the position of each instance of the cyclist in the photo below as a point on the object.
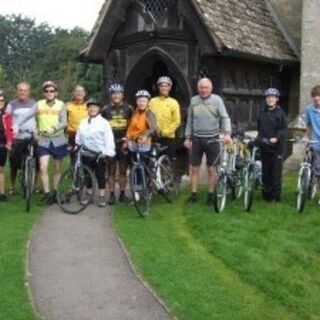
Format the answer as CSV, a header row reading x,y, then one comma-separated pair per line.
x,y
118,113
6,137
18,109
51,118
272,126
167,113
312,119
76,111
95,134
207,117
142,126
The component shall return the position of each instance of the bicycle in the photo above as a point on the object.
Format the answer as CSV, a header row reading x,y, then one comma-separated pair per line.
x,y
251,177
307,181
151,175
28,172
72,195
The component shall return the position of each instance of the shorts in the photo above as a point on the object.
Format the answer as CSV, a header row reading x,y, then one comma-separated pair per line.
x,y
316,162
208,146
57,153
3,156
18,153
120,156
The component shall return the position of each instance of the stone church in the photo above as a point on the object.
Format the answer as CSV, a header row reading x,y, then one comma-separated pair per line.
x,y
244,46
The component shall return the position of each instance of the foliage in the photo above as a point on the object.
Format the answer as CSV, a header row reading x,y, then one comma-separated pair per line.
x,y
36,53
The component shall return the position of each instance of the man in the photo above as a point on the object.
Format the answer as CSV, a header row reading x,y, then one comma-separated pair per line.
x,y
51,117
272,128
18,109
312,119
168,117
76,111
118,113
207,119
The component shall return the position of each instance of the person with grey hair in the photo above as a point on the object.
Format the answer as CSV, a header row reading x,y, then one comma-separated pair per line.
x,y
207,120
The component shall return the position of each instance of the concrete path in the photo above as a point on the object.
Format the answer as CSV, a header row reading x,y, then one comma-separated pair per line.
x,y
78,271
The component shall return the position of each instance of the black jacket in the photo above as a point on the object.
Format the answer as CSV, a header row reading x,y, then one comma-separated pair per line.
x,y
272,124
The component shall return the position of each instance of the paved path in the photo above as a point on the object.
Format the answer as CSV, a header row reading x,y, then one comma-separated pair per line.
x,y
78,271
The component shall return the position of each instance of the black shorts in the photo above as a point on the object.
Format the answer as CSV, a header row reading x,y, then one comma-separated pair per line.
x,y
120,156
208,146
3,156
18,153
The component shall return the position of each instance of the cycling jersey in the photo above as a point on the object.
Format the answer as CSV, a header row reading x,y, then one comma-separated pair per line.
x,y
75,113
118,117
167,113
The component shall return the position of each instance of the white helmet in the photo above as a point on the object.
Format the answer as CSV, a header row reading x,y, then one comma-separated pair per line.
x,y
164,80
143,93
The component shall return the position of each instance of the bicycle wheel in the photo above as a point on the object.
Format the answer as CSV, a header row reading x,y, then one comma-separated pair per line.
x,y
238,184
30,174
170,187
72,195
139,189
220,194
303,189
249,187
313,187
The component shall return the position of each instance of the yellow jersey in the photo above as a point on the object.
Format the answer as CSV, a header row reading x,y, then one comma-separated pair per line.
x,y
167,113
75,112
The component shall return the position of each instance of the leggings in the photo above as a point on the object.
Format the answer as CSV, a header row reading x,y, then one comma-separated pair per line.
x,y
99,168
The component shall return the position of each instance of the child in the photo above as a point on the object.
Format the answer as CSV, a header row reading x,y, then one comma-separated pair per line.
x,y
6,137
272,128
312,119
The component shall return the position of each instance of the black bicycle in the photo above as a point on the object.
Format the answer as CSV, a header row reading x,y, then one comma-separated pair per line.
x,y
149,175
72,192
28,172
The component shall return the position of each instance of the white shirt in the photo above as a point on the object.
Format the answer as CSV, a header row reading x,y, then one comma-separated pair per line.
x,y
96,134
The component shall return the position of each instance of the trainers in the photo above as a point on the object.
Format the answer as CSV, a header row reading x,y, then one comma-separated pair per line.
x,y
123,197
210,200
112,199
101,202
3,197
192,198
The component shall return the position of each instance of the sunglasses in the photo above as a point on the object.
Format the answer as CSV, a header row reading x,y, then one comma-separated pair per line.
x,y
49,91
1,100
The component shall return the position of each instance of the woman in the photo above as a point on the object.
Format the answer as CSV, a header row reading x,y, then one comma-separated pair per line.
x,y
142,126
6,137
95,134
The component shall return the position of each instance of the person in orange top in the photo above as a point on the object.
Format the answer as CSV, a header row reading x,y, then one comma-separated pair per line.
x,y
142,125
76,111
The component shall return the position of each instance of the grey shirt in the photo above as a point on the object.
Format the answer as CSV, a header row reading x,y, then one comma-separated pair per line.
x,y
44,139
207,118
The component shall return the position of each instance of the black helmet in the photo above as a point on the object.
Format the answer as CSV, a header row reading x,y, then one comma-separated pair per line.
x,y
271,92
93,101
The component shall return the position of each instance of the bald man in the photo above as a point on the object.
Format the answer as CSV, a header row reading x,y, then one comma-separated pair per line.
x,y
207,119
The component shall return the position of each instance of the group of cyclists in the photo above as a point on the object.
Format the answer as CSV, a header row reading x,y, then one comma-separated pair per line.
x,y
116,129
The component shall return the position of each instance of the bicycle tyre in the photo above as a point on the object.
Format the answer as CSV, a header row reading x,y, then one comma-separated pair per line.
x,y
303,189
249,187
30,173
171,188
139,190
72,199
220,194
237,184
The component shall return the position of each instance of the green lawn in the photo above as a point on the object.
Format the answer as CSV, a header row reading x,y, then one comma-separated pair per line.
x,y
15,228
262,265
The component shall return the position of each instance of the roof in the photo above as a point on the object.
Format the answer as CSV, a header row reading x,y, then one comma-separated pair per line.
x,y
244,27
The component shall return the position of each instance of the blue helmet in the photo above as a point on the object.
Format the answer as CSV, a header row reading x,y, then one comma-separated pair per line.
x,y
115,87
271,92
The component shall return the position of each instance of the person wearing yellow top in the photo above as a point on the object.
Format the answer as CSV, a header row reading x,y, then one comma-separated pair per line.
x,y
76,111
168,117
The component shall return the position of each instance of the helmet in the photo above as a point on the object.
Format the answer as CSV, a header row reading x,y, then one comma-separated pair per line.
x,y
271,92
49,83
92,101
115,87
2,93
164,80
143,93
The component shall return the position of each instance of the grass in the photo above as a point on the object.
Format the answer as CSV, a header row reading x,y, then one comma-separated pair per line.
x,y
15,228
262,265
